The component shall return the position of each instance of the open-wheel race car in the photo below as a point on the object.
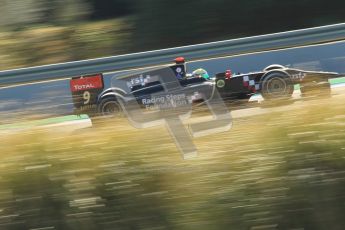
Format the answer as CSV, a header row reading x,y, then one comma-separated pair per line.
x,y
146,88
161,87
275,82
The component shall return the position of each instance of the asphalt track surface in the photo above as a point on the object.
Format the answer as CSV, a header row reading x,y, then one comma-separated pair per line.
x,y
53,98
257,107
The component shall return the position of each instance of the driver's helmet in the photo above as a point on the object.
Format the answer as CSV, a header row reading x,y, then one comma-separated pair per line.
x,y
200,73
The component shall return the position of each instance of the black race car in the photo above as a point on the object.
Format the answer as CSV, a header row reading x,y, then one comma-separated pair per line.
x,y
166,88
275,82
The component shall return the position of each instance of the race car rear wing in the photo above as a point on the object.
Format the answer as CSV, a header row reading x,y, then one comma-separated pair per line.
x,y
85,91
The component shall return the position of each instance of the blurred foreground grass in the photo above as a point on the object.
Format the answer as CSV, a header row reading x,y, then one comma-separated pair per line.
x,y
285,170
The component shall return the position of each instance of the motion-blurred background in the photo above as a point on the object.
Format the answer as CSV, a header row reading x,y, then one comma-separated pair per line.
x,y
281,170
35,32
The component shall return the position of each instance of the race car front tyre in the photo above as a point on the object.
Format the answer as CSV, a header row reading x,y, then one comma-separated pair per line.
x,y
272,67
276,86
315,89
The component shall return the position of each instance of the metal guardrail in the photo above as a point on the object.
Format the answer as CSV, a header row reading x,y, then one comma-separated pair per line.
x,y
229,47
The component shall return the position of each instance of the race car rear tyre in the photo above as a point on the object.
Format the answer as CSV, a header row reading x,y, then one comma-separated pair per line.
x,y
315,89
109,107
276,86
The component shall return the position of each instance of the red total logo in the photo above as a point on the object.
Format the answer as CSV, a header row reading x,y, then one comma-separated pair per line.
x,y
87,83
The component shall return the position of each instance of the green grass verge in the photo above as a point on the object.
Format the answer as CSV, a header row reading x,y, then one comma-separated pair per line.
x,y
48,121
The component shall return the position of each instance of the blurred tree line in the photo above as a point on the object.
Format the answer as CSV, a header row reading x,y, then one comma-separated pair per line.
x,y
154,24
168,23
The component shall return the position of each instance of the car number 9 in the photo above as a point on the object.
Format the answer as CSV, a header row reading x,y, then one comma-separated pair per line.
x,y
86,97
